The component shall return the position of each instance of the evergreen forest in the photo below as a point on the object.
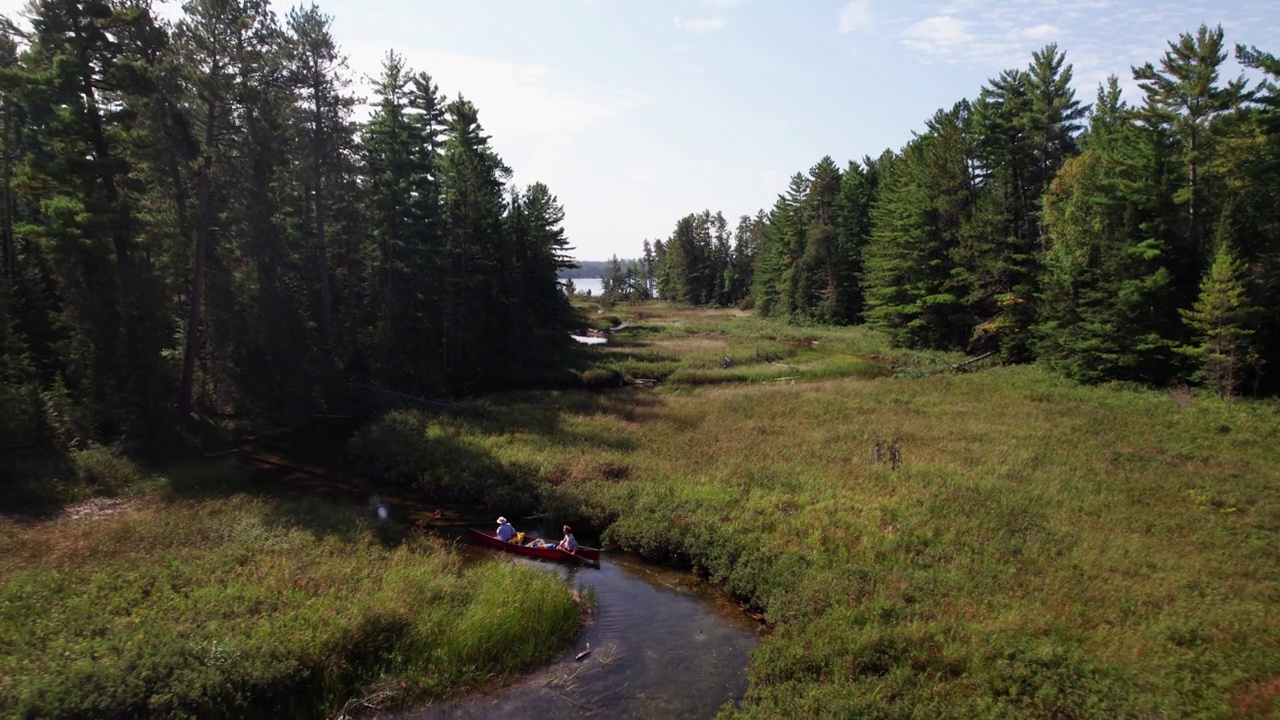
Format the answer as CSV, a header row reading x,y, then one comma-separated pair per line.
x,y
195,225
1127,239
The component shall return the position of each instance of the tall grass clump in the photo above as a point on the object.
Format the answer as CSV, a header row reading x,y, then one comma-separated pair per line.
x,y
436,459
254,608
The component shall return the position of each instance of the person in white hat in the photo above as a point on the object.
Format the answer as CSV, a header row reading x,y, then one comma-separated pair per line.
x,y
505,531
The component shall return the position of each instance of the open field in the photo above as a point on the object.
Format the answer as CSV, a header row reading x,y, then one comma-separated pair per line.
x,y
1042,549
251,606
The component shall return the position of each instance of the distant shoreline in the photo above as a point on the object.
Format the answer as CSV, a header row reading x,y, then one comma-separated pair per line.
x,y
588,269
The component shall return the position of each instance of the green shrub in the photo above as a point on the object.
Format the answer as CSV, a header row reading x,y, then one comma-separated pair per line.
x,y
436,458
105,471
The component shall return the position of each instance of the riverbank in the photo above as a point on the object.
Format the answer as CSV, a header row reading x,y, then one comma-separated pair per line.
x,y
1001,543
188,596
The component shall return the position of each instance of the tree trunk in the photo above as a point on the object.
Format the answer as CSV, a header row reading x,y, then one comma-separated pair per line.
x,y
203,233
174,169
322,251
1193,229
102,153
10,253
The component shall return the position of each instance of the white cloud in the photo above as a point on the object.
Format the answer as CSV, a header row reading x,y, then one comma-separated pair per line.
x,y
856,16
721,4
938,35
700,26
1043,31
516,101
546,124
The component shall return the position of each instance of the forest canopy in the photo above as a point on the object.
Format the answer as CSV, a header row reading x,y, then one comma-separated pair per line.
x,y
195,221
1123,239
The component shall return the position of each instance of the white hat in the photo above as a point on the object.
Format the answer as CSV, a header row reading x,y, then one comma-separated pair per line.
x,y
502,521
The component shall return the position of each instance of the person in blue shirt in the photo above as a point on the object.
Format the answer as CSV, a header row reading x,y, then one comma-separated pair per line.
x,y
505,531
569,543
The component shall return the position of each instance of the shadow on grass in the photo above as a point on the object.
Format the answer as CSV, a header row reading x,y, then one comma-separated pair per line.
x,y
320,478
543,414
30,482
401,470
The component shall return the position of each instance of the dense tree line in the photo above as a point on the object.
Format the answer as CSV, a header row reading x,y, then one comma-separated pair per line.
x,y
586,269
193,220
1110,241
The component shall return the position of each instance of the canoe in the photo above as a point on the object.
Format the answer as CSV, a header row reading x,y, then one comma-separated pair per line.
x,y
584,554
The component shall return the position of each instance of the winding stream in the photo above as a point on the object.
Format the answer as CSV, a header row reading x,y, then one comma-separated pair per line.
x,y
663,643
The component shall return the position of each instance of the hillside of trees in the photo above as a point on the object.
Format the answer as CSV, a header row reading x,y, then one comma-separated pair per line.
x,y
194,222
1113,241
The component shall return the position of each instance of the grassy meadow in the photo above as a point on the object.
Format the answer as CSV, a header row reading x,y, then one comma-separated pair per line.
x,y
1042,549
176,599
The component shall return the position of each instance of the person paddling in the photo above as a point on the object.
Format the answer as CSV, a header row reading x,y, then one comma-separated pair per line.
x,y
570,543
505,531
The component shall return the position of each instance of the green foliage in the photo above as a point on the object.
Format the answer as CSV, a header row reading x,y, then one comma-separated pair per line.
x,y
1218,320
20,406
1107,311
105,471
242,608
923,203
438,462
1183,97
195,225
626,281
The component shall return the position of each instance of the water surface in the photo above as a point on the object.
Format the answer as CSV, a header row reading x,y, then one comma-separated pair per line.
x,y
663,645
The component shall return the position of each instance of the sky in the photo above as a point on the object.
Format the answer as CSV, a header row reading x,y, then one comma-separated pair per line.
x,y
637,113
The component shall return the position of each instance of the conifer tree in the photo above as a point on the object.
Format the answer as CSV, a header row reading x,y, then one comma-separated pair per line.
x,y
1107,309
819,293
1183,97
75,91
314,73
1221,324
924,200
481,330
404,332
1027,127
1249,161
853,232
542,251
789,240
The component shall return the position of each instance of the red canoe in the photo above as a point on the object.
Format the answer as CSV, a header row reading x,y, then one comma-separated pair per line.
x,y
584,554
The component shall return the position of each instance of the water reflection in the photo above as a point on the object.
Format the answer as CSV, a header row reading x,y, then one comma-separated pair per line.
x,y
663,644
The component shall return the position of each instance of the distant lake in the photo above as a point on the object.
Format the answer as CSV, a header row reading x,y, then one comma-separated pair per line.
x,y
584,284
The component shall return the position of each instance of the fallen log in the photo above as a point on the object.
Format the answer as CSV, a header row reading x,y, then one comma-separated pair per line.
x,y
401,396
983,356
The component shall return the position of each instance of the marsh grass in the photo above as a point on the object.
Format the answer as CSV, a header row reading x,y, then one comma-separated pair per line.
x,y
694,347
252,606
1043,549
